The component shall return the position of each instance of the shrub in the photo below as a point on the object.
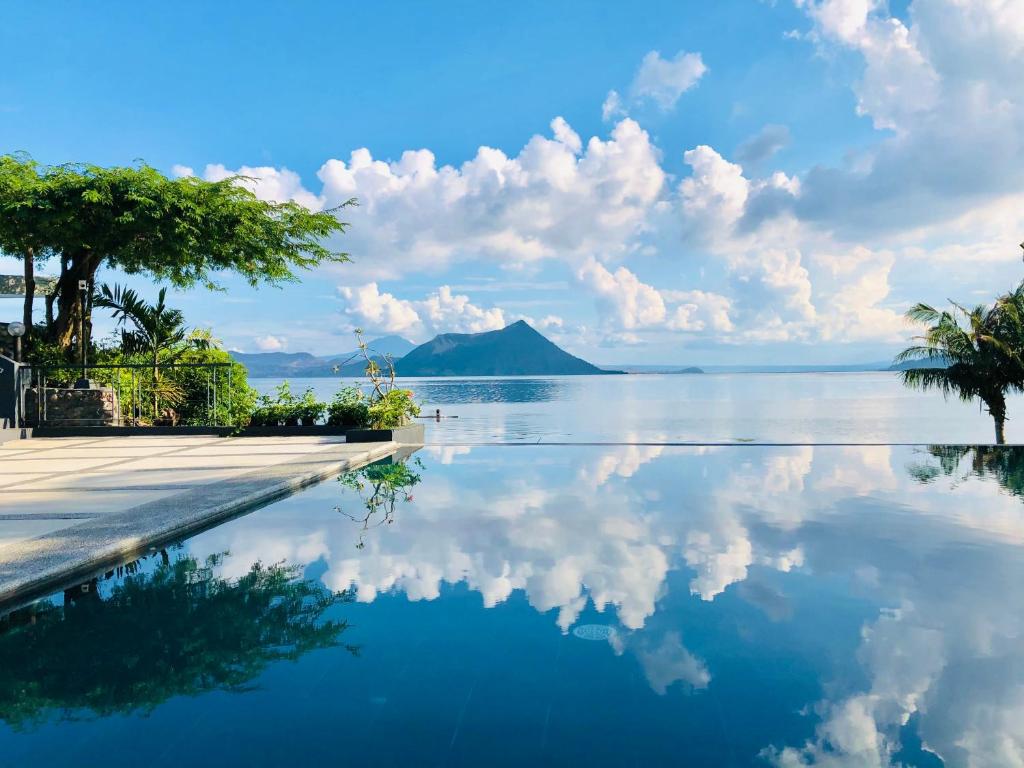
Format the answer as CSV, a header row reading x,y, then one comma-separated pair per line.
x,y
284,408
349,408
394,408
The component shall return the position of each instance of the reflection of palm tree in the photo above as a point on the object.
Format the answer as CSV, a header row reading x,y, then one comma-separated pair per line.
x,y
380,486
178,630
977,352
1004,464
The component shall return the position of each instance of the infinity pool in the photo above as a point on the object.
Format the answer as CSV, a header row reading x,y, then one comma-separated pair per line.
x,y
538,605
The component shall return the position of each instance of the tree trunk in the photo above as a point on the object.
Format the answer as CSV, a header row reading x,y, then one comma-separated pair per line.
x,y
67,326
996,404
30,290
50,298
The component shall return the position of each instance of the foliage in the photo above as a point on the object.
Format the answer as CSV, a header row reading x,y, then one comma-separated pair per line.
x,y
177,631
137,220
221,399
380,486
287,409
349,408
1002,463
394,408
388,406
980,351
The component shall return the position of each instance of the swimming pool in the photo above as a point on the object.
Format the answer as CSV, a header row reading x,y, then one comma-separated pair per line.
x,y
524,605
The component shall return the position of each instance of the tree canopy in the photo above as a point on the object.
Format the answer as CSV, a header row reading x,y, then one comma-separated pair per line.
x,y
136,219
979,351
176,631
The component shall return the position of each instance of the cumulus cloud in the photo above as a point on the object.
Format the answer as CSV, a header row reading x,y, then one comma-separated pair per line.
x,y
442,311
270,343
663,81
379,312
268,183
627,304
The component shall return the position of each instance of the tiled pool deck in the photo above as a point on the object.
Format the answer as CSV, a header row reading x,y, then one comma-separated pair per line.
x,y
73,503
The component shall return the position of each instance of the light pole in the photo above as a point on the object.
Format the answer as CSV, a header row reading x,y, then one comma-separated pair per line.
x,y
16,330
83,382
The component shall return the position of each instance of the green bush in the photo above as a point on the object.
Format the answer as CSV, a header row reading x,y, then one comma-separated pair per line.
x,y
349,408
393,409
284,408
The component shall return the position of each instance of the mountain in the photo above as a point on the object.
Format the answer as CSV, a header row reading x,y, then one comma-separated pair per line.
x,y
516,350
663,370
906,365
303,364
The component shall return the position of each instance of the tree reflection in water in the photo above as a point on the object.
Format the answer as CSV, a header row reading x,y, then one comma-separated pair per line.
x,y
380,486
176,631
1002,463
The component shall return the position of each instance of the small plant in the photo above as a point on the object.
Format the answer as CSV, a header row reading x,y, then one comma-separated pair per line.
x,y
284,408
308,409
350,408
387,405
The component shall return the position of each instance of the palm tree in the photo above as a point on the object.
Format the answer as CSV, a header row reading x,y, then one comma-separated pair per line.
x,y
972,353
157,331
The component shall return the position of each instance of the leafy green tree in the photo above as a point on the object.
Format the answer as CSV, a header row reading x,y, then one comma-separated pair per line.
x,y
176,631
971,353
139,221
24,216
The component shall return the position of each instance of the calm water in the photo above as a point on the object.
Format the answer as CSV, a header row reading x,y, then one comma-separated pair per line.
x,y
799,407
584,606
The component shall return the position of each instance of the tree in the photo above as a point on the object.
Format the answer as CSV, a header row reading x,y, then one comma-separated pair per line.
x,y
157,332
978,351
176,630
139,221
23,220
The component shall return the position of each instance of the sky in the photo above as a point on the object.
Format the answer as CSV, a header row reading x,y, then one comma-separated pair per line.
x,y
737,182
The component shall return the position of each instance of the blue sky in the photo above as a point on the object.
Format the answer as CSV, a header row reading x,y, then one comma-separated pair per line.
x,y
767,182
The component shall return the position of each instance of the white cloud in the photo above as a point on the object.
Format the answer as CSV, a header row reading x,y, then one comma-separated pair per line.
x,y
612,107
446,312
379,312
439,312
622,296
663,81
557,198
268,183
270,343
669,662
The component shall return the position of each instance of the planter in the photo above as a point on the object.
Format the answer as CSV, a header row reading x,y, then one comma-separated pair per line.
x,y
410,434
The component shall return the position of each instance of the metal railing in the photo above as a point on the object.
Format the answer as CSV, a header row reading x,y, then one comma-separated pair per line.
x,y
127,394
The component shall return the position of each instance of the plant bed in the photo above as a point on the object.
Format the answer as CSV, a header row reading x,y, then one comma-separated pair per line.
x,y
126,431
410,434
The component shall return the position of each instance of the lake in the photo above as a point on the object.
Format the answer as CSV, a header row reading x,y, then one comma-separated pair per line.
x,y
773,407
557,605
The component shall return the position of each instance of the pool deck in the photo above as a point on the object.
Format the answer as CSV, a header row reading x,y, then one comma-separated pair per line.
x,y
72,506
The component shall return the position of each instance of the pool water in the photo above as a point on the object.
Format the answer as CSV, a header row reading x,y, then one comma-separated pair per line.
x,y
545,605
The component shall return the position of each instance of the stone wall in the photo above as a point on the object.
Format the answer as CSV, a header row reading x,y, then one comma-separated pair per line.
x,y
75,407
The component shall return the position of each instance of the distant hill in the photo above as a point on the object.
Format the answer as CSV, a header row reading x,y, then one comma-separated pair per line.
x,y
516,350
906,365
661,369
303,364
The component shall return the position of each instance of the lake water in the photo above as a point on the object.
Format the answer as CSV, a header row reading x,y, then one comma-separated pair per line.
x,y
558,605
799,407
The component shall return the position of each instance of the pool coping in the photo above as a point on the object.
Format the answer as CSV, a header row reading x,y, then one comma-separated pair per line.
x,y
50,561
